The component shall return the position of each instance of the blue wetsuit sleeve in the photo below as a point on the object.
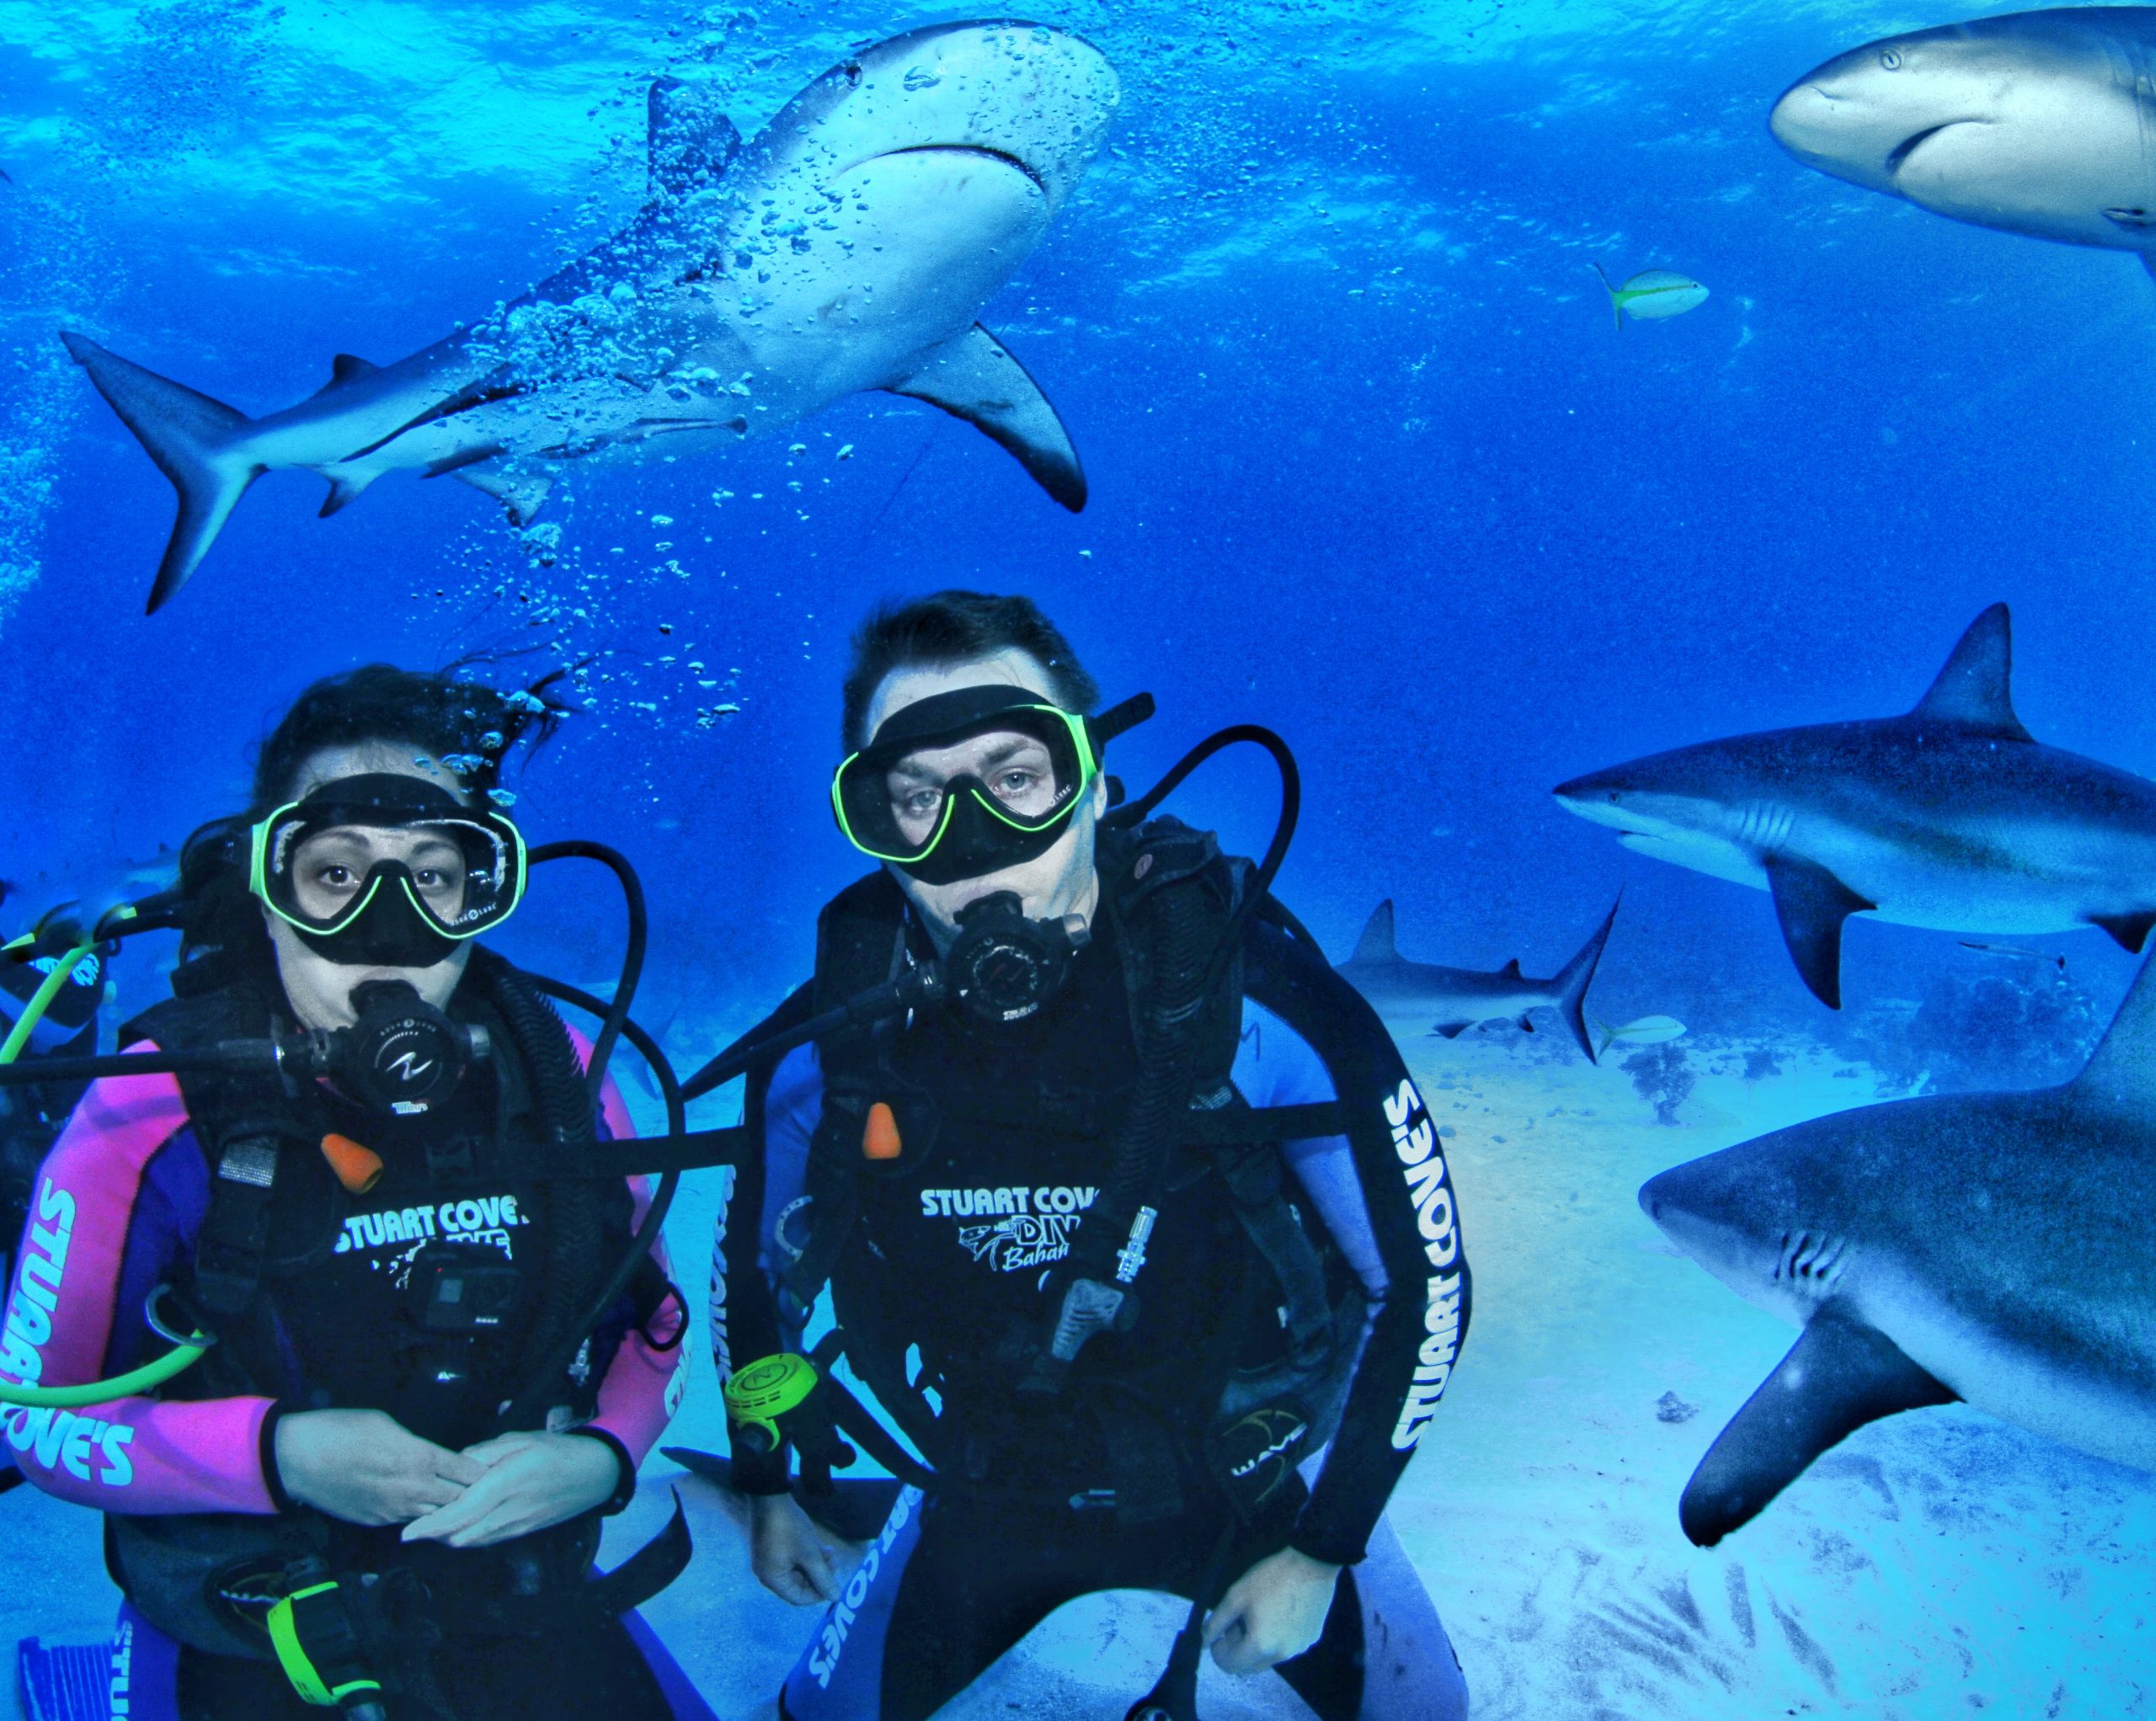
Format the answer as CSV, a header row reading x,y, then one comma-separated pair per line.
x,y
1385,1194
748,1322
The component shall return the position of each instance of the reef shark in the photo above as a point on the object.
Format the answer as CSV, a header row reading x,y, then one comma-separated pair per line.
x,y
1986,1247
850,246
1951,817
2038,123
1455,999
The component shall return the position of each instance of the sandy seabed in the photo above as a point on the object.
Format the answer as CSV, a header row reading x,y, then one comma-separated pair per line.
x,y
1938,1565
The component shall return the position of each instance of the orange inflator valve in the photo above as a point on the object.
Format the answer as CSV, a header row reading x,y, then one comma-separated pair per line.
x,y
358,1168
880,1139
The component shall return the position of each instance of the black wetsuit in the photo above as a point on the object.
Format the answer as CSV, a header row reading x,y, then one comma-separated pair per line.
x,y
1105,1484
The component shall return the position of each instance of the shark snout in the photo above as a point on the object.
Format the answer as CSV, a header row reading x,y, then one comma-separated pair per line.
x,y
1598,799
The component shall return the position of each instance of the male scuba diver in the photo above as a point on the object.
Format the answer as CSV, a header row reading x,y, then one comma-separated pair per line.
x,y
1133,1222
379,1484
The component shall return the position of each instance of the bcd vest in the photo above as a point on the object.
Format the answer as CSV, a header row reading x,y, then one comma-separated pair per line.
x,y
1020,1164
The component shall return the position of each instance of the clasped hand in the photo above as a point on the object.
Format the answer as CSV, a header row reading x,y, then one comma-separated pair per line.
x,y
366,1467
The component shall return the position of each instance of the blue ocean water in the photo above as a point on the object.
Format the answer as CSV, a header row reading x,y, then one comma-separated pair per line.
x,y
1368,462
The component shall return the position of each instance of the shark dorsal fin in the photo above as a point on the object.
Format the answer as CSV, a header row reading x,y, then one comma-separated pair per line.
x,y
1975,689
1376,945
1511,971
691,139
345,368
2121,1077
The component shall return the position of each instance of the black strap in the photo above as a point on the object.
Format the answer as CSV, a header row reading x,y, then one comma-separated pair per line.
x,y
1242,1126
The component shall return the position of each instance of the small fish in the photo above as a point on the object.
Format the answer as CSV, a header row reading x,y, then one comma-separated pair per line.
x,y
1647,1031
1652,293
2015,950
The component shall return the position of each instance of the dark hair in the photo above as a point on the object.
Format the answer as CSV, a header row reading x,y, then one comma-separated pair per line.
x,y
448,718
466,725
950,627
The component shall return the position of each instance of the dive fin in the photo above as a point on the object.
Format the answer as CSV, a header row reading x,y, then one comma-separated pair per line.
x,y
691,139
1573,980
974,377
856,1508
1839,1375
522,493
1812,904
1376,944
195,442
1975,689
2131,930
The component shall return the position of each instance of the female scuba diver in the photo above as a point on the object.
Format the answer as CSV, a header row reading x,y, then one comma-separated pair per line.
x,y
381,1486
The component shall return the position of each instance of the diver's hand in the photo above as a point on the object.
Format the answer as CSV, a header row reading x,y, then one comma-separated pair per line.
x,y
530,1482
786,1554
1273,1612
366,1467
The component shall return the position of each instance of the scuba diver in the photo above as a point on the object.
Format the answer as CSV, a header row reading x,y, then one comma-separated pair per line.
x,y
1132,1220
378,1483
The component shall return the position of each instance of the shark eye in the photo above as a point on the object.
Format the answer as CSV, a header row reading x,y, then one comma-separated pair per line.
x,y
1615,795
1890,59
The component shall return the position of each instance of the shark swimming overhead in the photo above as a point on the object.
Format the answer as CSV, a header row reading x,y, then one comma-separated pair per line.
x,y
1951,817
849,247
1987,1247
2035,123
1455,999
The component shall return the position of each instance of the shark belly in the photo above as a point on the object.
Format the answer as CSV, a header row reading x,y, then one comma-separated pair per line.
x,y
2089,1384
923,240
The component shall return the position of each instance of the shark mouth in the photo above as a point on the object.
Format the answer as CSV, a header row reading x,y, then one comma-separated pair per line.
x,y
1899,156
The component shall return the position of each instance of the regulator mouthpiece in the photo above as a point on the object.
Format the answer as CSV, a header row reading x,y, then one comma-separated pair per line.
x,y
1003,967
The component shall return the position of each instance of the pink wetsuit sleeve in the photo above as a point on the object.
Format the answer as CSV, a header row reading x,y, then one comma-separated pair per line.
x,y
133,1454
643,1383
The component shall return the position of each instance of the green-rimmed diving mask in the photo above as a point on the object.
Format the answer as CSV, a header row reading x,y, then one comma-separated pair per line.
x,y
386,871
969,782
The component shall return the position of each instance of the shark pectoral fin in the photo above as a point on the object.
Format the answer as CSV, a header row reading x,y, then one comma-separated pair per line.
x,y
2149,263
1452,1031
1812,903
1839,1376
522,493
1376,944
198,443
1975,690
1575,977
691,139
2131,930
975,378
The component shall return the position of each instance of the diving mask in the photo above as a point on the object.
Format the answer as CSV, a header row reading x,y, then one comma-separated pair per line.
x,y
384,869
969,782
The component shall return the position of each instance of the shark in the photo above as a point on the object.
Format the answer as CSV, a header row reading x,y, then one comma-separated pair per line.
x,y
2035,123
849,247
1988,1247
1950,816
1456,1000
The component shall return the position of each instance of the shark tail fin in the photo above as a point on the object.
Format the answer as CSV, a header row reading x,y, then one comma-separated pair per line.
x,y
1616,305
197,443
1376,944
1573,980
